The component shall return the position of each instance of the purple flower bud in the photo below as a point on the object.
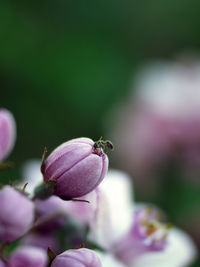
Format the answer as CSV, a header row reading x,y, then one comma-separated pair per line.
x,y
82,211
77,167
51,213
28,257
7,133
77,258
41,241
17,214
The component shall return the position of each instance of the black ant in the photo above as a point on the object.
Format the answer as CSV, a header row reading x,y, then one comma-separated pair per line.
x,y
105,145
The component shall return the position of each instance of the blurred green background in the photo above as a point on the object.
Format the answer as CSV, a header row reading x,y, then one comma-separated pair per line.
x,y
65,64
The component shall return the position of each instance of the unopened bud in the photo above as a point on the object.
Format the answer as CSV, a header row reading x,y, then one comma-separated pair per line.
x,y
76,167
28,256
7,133
16,214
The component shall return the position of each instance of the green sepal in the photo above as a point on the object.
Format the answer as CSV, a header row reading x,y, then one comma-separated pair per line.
x,y
45,190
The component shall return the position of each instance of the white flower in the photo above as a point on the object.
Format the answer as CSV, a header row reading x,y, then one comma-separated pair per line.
x,y
180,252
170,89
117,214
114,209
108,260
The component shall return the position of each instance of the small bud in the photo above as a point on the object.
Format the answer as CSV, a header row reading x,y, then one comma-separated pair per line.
x,y
77,167
82,257
28,256
7,133
16,214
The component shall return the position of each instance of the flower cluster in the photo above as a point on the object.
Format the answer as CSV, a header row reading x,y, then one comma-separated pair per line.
x,y
68,215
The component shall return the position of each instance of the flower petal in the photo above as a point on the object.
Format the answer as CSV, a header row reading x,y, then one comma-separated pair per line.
x,y
180,252
113,216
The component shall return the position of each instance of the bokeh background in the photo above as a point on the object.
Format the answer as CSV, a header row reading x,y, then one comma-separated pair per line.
x,y
66,67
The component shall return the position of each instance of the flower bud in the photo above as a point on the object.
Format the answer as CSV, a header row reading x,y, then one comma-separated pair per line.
x,y
51,214
16,216
41,241
76,167
7,133
77,257
28,256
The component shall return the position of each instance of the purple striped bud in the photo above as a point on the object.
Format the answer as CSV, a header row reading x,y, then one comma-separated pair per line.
x,y
77,257
7,133
77,167
28,257
16,214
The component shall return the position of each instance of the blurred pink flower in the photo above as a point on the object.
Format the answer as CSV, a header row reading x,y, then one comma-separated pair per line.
x,y
28,256
159,123
41,241
7,133
17,214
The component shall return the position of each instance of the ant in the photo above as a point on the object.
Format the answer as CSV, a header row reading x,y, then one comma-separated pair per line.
x,y
106,145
